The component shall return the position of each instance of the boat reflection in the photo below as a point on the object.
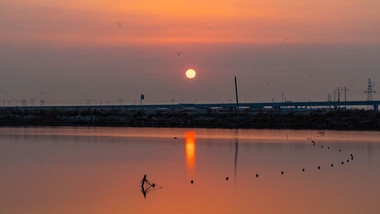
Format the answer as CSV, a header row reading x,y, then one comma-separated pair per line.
x,y
190,152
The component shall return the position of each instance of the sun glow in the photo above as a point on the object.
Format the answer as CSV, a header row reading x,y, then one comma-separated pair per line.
x,y
190,73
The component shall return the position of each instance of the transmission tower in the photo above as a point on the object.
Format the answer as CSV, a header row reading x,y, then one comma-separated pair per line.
x,y
370,90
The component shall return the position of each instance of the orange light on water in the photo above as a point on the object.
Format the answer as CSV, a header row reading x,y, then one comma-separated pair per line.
x,y
190,152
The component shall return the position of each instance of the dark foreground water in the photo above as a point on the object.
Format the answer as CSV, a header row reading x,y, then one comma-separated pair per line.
x,y
98,170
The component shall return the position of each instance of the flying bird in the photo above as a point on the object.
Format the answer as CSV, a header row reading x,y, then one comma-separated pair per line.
x,y
2,14
179,53
119,25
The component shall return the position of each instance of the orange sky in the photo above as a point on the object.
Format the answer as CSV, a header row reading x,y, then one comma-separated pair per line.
x,y
117,22
68,52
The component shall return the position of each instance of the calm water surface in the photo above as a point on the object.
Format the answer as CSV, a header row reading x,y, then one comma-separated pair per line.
x,y
99,170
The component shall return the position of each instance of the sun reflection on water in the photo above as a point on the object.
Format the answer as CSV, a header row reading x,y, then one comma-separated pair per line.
x,y
190,152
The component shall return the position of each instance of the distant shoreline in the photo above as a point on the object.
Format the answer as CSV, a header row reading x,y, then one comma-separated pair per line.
x,y
338,119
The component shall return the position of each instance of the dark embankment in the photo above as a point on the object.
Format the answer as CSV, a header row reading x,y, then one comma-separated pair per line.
x,y
300,119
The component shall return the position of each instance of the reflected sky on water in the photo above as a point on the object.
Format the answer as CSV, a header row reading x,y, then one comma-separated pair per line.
x,y
98,170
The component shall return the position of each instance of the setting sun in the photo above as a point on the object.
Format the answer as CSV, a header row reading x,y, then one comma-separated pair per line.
x,y
190,73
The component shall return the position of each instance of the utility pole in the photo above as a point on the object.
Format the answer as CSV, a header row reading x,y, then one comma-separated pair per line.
x,y
345,97
338,95
282,99
237,97
334,95
345,94
335,98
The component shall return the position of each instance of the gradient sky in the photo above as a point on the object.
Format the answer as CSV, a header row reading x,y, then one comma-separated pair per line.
x,y
69,51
